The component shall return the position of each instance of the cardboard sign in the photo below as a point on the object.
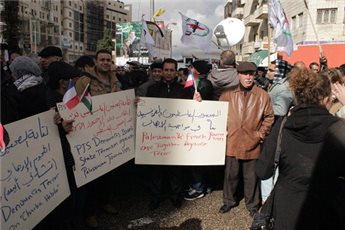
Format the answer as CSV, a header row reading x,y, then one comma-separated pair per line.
x,y
180,132
33,174
103,139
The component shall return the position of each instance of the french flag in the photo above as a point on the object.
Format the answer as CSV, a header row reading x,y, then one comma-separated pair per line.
x,y
70,99
191,80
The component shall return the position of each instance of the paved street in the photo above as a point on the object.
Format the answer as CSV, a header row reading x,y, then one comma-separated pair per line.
x,y
131,200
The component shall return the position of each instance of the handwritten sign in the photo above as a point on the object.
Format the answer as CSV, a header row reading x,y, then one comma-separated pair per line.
x,y
180,132
33,175
104,139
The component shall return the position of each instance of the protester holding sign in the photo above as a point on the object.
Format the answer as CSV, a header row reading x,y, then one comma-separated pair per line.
x,y
200,69
168,87
101,81
69,214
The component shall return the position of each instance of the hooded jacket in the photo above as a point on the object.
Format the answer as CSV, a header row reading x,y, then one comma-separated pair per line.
x,y
222,79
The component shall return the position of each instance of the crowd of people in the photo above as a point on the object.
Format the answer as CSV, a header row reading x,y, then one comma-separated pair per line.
x,y
309,191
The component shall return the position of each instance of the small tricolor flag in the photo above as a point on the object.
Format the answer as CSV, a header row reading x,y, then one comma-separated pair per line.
x,y
191,80
70,99
86,98
2,138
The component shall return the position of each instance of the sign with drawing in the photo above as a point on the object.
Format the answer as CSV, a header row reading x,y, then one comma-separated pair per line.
x,y
103,139
33,175
180,132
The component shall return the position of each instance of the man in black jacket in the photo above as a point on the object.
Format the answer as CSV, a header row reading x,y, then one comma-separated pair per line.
x,y
168,87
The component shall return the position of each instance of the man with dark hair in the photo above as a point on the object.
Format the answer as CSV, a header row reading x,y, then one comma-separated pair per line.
x,y
182,75
168,87
84,63
226,75
101,81
250,119
156,71
314,66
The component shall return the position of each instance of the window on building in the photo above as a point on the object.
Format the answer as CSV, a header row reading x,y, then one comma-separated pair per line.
x,y
333,16
294,23
70,3
70,14
113,17
326,16
107,16
300,20
119,19
70,34
70,25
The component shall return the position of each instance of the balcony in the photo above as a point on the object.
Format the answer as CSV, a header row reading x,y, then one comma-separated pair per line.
x,y
237,13
250,20
261,12
248,48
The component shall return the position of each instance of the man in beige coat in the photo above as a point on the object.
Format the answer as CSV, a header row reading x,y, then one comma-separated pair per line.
x,y
250,118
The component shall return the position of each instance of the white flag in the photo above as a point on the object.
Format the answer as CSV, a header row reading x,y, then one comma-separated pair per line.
x,y
278,20
195,33
146,37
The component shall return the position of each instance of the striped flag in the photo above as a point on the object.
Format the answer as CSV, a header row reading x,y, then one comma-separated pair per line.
x,y
280,23
191,80
146,37
70,99
86,98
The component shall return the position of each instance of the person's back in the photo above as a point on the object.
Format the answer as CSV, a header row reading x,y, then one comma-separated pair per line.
x,y
303,139
226,76
30,85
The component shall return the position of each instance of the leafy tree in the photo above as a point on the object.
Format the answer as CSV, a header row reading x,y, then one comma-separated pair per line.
x,y
106,43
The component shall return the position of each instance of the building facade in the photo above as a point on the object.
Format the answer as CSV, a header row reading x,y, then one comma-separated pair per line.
x,y
328,17
75,26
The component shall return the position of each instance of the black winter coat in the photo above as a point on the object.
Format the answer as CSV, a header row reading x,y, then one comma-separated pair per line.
x,y
169,90
311,160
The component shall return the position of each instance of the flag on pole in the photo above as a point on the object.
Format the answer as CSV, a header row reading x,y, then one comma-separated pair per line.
x,y
86,98
146,37
191,80
158,13
70,99
195,33
280,23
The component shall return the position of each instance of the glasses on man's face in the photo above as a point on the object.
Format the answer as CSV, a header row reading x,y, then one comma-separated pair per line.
x,y
271,70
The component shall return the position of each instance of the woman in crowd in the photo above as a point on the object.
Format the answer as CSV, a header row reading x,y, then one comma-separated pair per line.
x,y
311,160
29,83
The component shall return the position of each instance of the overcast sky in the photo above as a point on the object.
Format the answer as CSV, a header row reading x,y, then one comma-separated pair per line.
x,y
209,12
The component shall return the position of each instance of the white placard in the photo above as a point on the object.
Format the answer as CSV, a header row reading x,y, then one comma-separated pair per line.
x,y
104,139
33,174
180,132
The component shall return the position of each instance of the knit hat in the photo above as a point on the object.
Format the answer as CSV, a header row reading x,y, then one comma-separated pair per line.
x,y
24,66
246,67
50,51
201,66
60,70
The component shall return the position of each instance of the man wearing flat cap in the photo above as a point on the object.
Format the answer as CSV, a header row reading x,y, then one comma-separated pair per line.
x,y
47,56
249,121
